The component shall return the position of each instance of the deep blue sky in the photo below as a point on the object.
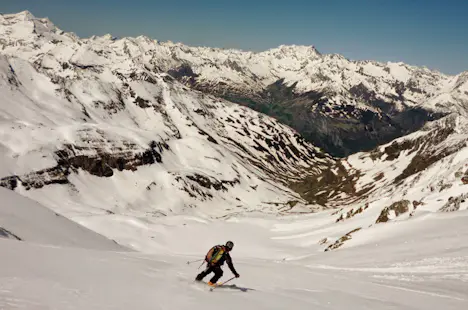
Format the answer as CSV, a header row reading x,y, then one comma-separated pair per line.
x,y
419,32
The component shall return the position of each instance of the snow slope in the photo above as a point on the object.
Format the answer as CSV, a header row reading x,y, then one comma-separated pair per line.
x,y
417,263
279,265
24,219
425,166
411,179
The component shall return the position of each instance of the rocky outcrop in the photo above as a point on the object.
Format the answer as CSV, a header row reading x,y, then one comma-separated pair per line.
x,y
454,203
72,158
351,213
202,187
329,184
210,182
339,243
393,211
426,157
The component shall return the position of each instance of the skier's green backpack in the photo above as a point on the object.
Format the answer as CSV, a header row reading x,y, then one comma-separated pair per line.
x,y
214,254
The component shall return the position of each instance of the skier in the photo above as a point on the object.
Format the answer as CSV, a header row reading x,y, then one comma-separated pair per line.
x,y
215,258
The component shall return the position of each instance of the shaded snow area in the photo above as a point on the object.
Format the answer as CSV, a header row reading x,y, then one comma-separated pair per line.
x,y
29,221
420,263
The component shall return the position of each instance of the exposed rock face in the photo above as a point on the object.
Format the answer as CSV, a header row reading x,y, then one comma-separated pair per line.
x,y
328,185
423,148
351,213
102,164
394,210
454,203
71,159
340,242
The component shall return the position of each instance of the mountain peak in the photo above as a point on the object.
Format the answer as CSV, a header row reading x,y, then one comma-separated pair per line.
x,y
297,50
24,15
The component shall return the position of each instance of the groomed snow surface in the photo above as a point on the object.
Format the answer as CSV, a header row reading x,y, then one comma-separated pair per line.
x,y
419,263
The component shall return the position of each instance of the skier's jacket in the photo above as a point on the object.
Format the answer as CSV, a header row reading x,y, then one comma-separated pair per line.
x,y
217,255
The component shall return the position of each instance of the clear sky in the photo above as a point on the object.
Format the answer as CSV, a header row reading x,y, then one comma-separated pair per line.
x,y
419,32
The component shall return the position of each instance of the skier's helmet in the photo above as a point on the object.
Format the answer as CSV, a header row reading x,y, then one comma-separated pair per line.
x,y
229,245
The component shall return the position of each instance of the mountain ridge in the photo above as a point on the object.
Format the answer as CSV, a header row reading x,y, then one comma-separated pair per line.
x,y
372,101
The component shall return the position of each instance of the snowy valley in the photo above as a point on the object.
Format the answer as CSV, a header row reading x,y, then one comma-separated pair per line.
x,y
145,145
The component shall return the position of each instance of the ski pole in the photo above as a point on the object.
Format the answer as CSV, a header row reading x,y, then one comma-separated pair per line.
x,y
222,283
194,261
228,280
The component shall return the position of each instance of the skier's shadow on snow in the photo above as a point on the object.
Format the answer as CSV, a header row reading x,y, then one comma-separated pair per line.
x,y
236,287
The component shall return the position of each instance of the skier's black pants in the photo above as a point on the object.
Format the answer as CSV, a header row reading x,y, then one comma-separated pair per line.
x,y
218,273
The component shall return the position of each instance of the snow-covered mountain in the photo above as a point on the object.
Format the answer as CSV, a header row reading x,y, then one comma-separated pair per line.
x,y
339,105
432,158
87,129
421,175
79,113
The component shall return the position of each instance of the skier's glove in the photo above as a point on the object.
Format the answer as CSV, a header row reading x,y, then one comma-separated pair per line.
x,y
237,275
